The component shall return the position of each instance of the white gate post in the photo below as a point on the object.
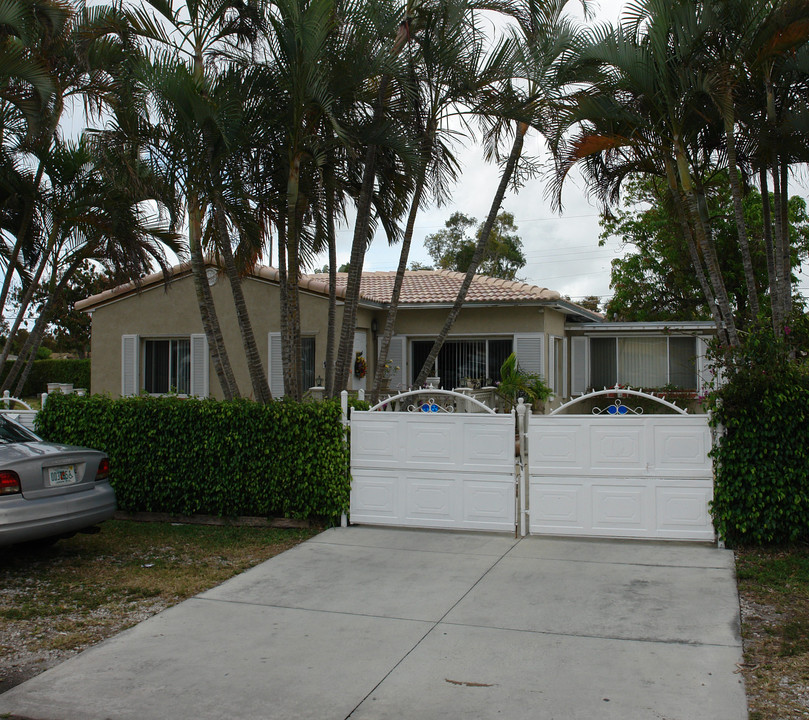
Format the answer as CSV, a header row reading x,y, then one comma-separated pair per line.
x,y
522,490
344,408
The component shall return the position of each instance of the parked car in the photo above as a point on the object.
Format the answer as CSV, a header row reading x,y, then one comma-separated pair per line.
x,y
47,490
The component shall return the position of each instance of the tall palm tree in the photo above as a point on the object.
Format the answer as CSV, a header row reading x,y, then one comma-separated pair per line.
x,y
50,53
533,55
186,47
446,62
91,212
643,110
669,93
394,32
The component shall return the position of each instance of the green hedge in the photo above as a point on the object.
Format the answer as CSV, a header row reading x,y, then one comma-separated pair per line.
x,y
190,456
61,371
761,493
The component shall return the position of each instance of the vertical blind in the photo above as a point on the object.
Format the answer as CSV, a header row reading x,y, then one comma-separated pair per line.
x,y
459,360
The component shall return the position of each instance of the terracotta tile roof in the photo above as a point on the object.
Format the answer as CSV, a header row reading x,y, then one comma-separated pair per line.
x,y
420,287
441,286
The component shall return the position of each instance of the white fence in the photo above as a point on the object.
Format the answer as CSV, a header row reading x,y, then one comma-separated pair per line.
x,y
17,410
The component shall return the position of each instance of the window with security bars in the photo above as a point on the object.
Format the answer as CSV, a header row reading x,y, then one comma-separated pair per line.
x,y
463,360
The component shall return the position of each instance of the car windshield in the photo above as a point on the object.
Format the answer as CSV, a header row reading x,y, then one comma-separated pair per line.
x,y
10,432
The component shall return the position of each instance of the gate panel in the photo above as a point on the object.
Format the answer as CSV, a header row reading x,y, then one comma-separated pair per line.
x,y
438,471
617,476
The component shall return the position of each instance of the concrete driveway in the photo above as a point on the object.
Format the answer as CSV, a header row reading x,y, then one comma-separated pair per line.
x,y
379,623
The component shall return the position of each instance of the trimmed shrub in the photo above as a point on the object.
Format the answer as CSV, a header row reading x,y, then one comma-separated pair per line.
x,y
188,456
761,493
61,371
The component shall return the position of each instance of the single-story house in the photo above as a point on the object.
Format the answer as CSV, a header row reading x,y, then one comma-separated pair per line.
x,y
149,338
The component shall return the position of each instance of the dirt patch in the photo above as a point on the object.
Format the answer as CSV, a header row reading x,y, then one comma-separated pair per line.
x,y
774,598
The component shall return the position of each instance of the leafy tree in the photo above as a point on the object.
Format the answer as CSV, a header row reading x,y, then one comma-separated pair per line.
x,y
453,248
655,281
591,302
69,329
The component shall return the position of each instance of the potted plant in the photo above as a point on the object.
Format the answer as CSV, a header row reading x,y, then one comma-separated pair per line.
x,y
515,383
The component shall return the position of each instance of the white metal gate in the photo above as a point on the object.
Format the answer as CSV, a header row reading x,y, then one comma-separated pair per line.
x,y
433,466
614,474
620,473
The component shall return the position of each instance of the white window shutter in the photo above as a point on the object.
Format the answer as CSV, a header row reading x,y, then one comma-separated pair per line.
x,y
563,384
529,348
275,365
130,365
397,355
579,364
199,366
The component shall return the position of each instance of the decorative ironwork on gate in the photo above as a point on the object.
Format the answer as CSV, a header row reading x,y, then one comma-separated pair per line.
x,y
617,408
431,400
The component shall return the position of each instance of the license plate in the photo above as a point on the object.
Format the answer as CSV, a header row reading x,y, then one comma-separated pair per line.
x,y
62,475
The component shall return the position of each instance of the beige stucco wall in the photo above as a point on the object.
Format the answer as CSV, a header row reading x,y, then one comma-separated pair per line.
x,y
169,312
472,321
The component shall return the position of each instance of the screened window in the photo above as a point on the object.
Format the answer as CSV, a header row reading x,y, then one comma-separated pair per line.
x,y
167,366
643,362
603,362
557,362
308,362
459,360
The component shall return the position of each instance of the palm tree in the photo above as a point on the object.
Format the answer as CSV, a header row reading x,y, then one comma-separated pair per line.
x,y
643,110
396,31
669,93
49,53
524,99
445,59
188,48
91,212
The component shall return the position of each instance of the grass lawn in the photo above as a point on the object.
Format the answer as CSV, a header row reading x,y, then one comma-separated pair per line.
x,y
774,594
58,600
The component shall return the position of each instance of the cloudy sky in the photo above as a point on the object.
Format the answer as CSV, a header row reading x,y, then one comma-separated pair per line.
x,y
562,250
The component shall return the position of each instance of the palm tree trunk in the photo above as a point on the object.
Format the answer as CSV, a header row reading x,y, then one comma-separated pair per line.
x,y
293,336
207,309
480,248
688,236
283,287
741,226
352,291
332,331
390,321
258,377
785,256
22,232
25,302
28,353
772,273
708,249
779,245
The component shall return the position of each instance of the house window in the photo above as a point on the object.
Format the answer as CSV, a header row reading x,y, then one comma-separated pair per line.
x,y
459,360
556,360
308,362
167,366
643,362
